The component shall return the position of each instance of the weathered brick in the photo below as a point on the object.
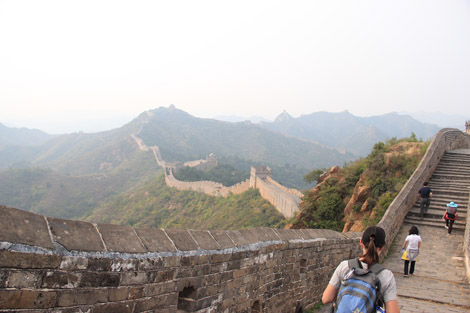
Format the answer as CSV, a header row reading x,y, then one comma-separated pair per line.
x,y
240,273
28,260
153,303
70,263
150,264
172,261
27,299
211,290
118,294
136,292
124,307
99,280
163,276
82,297
136,278
121,265
99,265
55,280
159,289
203,270
23,279
172,299
3,278
183,272
194,282
233,265
219,258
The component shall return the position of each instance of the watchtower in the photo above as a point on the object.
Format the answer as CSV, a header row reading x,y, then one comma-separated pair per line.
x,y
260,172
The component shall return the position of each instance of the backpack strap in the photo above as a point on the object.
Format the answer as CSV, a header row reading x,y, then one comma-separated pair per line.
x,y
376,268
354,263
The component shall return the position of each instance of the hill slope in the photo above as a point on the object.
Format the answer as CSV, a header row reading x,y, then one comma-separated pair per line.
x,y
357,195
183,137
157,205
22,136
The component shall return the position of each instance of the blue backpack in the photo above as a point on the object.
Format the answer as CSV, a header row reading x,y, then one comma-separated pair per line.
x,y
360,290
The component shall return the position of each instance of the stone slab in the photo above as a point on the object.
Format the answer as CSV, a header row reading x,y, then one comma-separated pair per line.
x,y
155,240
265,234
249,235
238,238
76,235
182,239
204,239
222,239
290,234
120,239
24,227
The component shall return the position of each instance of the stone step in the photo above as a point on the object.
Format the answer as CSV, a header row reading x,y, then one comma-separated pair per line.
x,y
442,203
444,190
412,220
440,171
453,162
437,215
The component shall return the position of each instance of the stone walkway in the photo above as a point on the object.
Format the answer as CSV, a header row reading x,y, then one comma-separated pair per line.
x,y
439,283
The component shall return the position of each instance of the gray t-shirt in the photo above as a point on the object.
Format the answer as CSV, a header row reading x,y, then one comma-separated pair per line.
x,y
388,286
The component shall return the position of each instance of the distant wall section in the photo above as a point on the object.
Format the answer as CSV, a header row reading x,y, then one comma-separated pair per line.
x,y
286,200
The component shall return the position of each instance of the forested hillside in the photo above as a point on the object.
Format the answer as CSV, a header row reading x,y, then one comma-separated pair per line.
x,y
358,194
54,194
157,205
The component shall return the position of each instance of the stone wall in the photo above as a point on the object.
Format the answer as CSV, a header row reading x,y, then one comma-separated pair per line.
x,y
285,202
63,266
466,242
292,191
445,139
208,187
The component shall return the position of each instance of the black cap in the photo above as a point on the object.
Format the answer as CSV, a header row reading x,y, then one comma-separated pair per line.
x,y
375,232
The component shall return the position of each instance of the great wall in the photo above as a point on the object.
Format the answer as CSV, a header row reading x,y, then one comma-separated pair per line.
x,y
63,266
286,200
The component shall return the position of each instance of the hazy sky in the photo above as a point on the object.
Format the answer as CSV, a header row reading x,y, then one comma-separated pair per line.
x,y
92,65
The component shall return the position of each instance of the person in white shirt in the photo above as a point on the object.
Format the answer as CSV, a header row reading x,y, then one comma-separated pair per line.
x,y
412,244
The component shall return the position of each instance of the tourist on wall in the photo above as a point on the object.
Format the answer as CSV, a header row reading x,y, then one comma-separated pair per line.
x,y
410,250
450,216
343,285
425,196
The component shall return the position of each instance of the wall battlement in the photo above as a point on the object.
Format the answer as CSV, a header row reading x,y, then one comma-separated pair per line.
x,y
73,266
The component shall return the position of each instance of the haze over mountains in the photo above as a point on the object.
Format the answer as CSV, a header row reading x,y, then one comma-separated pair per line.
x,y
350,133
70,175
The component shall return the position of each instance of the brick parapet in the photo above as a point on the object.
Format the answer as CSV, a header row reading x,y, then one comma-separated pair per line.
x,y
162,270
467,242
446,139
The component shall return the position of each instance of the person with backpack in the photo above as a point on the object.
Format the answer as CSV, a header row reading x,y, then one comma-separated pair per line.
x,y
362,284
450,216
412,244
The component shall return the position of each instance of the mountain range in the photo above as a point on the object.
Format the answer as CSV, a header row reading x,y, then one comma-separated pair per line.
x,y
350,133
70,175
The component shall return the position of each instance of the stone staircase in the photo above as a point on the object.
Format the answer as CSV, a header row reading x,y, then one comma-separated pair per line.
x,y
449,182
439,284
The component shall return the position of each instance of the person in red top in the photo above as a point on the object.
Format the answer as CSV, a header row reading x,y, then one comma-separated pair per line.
x,y
450,216
425,194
